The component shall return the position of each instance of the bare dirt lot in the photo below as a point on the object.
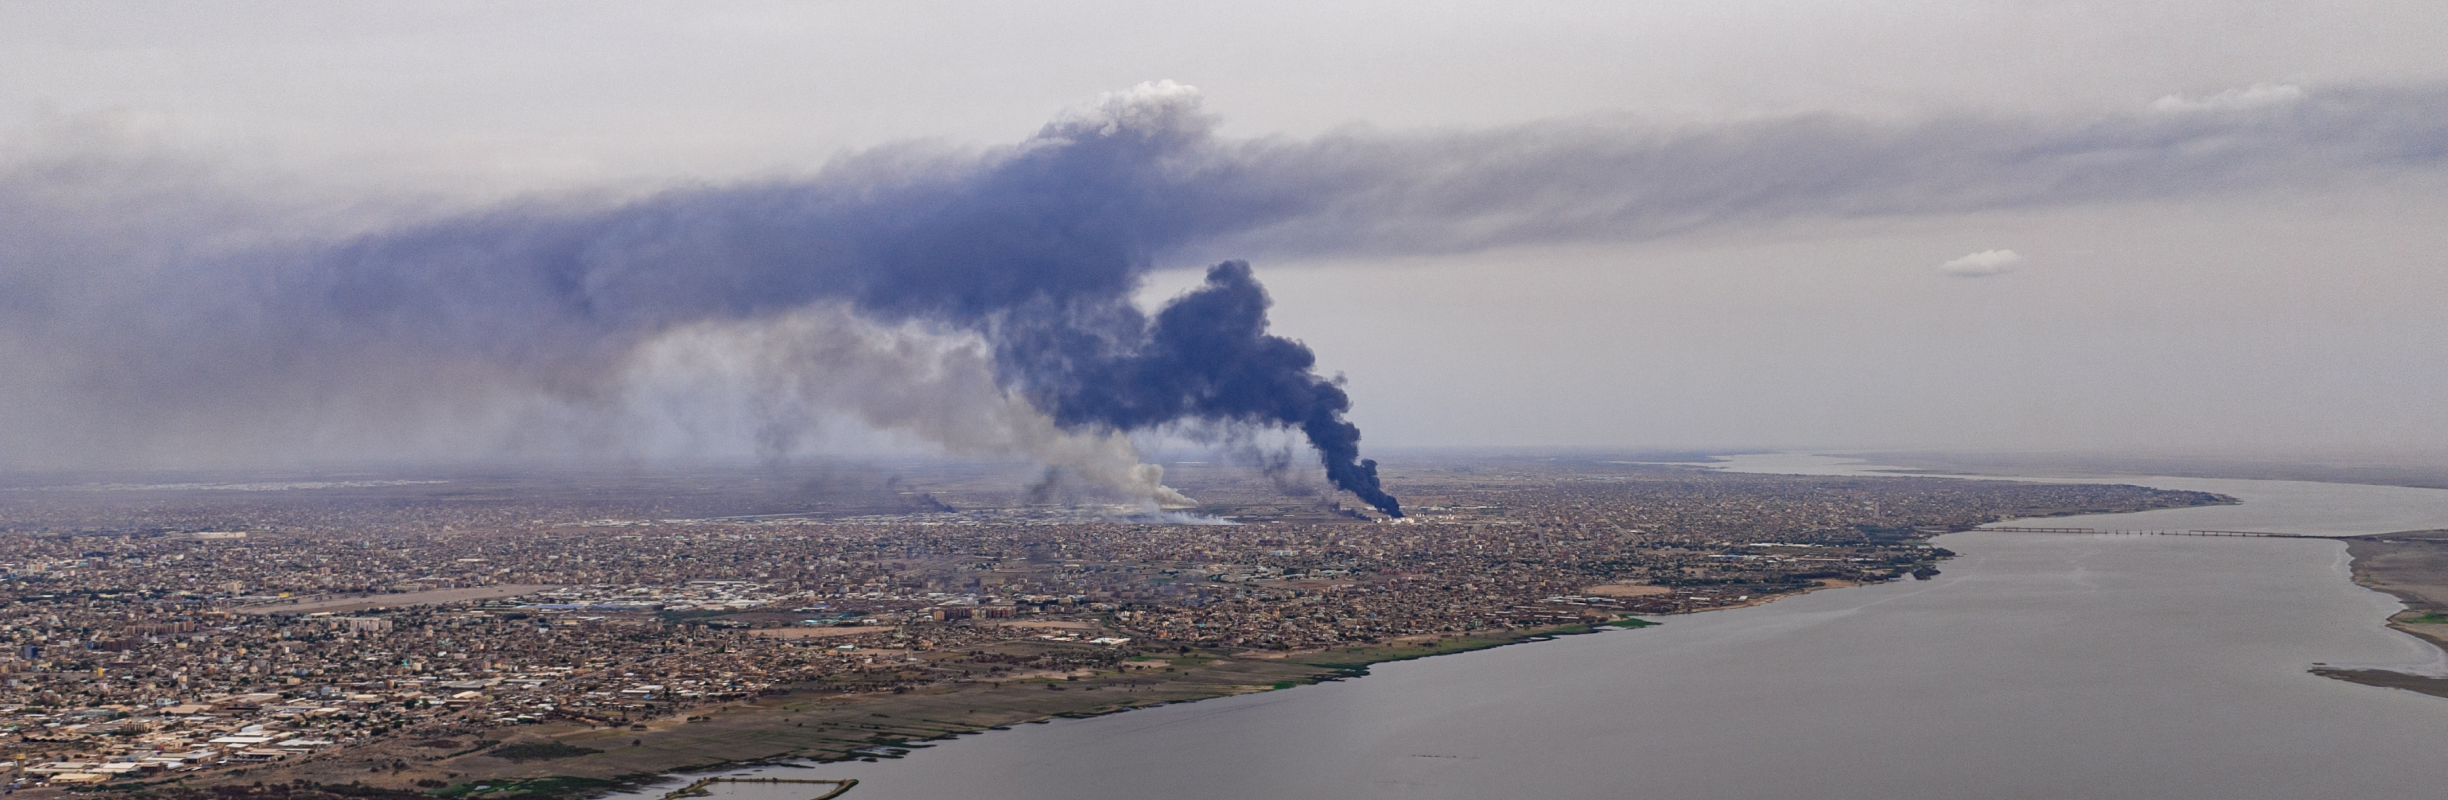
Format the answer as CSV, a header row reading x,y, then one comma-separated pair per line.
x,y
822,633
1048,624
338,605
1625,590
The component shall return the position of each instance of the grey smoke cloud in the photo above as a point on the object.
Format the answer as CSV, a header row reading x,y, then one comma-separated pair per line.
x,y
1565,181
157,312
788,376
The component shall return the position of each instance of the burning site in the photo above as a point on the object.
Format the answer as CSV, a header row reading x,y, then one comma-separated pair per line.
x,y
977,303
786,401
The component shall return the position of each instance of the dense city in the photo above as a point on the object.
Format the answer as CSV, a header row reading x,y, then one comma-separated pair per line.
x,y
379,629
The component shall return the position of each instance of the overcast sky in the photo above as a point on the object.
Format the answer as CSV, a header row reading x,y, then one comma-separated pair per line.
x,y
2173,227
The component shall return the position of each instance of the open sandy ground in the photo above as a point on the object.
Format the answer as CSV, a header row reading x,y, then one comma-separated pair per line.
x,y
1625,590
822,633
1054,624
337,605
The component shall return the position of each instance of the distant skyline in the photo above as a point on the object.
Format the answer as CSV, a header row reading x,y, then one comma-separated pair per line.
x,y
2183,228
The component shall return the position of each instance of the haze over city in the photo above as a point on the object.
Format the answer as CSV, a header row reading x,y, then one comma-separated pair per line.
x,y
1759,225
1102,401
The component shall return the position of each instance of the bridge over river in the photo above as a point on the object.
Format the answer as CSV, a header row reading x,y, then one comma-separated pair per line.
x,y
2252,534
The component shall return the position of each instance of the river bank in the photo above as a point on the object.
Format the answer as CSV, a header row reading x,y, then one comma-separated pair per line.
x,y
564,760
835,728
560,761
2411,566
2322,501
2041,665
1082,675
2056,649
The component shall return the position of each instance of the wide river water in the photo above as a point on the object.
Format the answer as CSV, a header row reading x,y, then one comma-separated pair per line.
x,y
2034,666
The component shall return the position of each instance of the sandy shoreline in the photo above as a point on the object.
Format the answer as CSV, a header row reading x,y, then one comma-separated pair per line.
x,y
2411,566
805,727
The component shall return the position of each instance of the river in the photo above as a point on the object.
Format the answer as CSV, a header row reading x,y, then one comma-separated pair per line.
x,y
2033,666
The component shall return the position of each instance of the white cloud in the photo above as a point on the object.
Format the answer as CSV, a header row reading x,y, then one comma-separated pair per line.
x,y
1982,264
2255,96
1149,106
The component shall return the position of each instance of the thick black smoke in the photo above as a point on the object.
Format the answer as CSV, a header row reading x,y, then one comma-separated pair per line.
x,y
1040,251
148,317
1037,248
1207,356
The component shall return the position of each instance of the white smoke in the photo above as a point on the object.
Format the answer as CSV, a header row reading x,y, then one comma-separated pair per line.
x,y
779,379
1148,107
1982,264
2255,96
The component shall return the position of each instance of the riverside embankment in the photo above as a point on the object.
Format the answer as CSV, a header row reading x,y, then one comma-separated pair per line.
x,y
2059,665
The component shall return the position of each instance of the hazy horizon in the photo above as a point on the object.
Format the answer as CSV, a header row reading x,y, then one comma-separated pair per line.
x,y
268,236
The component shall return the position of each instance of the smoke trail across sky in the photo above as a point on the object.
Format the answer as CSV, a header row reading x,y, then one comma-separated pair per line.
x,y
150,317
1033,252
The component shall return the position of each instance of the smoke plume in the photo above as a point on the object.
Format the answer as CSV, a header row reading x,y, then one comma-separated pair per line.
x,y
978,302
787,375
156,311
1207,357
